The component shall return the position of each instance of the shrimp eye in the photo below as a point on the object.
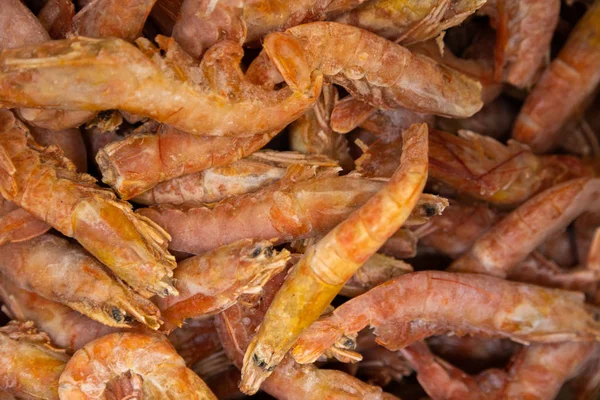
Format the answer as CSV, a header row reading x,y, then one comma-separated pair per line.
x,y
117,314
256,252
261,363
349,343
430,210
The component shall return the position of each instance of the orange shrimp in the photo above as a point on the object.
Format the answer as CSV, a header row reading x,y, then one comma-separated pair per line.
x,y
376,270
459,303
212,282
372,69
324,268
217,101
243,176
30,366
67,328
195,340
147,365
42,265
44,183
564,85
509,242
18,225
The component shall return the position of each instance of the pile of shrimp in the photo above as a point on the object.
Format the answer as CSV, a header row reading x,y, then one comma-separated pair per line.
x,y
311,199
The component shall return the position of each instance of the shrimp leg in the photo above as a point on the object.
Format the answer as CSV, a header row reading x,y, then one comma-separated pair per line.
x,y
325,267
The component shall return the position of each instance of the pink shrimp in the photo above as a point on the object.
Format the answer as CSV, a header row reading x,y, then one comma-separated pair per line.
x,y
144,365
195,340
57,18
509,242
372,69
44,183
69,140
42,265
30,366
93,77
564,85
19,27
460,303
325,267
212,282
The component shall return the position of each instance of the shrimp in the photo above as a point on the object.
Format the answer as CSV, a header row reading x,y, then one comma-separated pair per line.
x,y
237,324
509,242
31,366
312,133
587,384
563,86
408,22
195,340
372,69
146,364
141,161
42,265
524,30
19,27
57,17
67,328
112,18
17,225
538,371
374,271
349,113
69,140
43,182
243,176
325,267
92,76
293,208
212,282
459,303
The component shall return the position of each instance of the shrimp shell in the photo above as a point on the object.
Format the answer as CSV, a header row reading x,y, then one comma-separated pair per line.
x,y
69,140
18,225
372,69
57,18
148,360
18,26
42,265
44,183
459,303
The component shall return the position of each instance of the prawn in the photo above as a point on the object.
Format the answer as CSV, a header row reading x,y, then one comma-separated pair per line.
x,y
57,18
406,21
293,208
67,328
195,340
31,366
140,365
44,183
92,76
509,242
372,69
459,303
70,142
42,265
325,267
376,270
212,282
563,86
312,133
18,225
237,324
243,176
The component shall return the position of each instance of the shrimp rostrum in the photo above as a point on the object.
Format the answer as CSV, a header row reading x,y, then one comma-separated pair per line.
x,y
43,182
101,74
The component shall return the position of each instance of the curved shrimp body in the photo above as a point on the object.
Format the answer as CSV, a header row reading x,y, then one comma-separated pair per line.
x,y
89,74
508,242
322,271
44,183
240,177
376,270
409,21
564,85
212,282
143,160
67,328
523,34
538,371
459,303
372,69
30,366
149,362
42,265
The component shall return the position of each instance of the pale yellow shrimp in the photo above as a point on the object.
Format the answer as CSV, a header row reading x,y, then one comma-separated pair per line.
x,y
29,366
325,267
64,272
147,365
90,74
211,282
459,303
372,69
43,182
